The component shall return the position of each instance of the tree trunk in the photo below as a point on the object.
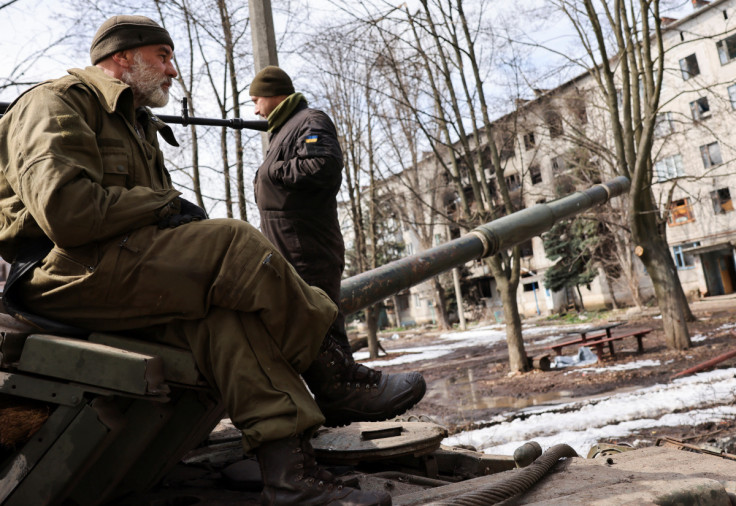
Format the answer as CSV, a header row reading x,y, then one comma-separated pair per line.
x,y
371,326
628,268
518,361
612,291
654,251
230,57
443,321
459,298
226,171
670,297
581,308
397,311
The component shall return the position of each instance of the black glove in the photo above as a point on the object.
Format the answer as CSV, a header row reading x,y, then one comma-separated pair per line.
x,y
188,212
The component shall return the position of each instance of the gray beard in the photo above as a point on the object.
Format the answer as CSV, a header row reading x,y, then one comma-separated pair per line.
x,y
146,83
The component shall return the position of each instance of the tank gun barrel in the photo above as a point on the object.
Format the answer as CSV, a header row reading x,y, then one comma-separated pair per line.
x,y
367,288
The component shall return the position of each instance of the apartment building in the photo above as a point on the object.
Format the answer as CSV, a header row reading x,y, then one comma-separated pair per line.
x,y
698,145
694,150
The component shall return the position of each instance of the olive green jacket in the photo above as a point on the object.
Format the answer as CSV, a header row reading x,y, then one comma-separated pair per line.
x,y
73,168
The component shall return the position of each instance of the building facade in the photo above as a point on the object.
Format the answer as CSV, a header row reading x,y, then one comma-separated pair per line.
x,y
546,139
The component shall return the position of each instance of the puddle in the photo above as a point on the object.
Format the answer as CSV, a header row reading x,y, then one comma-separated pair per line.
x,y
517,403
467,397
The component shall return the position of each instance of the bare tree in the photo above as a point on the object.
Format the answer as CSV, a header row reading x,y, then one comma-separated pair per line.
x,y
349,104
19,76
452,118
418,185
470,147
624,49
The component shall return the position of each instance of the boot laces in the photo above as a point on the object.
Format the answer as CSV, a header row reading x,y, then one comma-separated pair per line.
x,y
364,376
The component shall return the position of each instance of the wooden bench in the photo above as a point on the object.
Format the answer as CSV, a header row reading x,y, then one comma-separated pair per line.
x,y
558,346
638,334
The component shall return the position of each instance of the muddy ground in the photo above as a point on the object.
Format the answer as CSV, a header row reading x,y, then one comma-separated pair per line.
x,y
472,385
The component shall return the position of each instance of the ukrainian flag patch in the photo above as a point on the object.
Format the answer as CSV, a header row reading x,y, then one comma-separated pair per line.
x,y
311,139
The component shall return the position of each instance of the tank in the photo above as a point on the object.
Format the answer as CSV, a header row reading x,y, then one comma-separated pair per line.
x,y
111,419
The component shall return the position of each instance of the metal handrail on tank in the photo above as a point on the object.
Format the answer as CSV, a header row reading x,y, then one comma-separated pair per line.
x,y
361,291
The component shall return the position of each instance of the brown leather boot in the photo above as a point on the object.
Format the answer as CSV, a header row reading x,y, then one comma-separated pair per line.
x,y
292,477
347,392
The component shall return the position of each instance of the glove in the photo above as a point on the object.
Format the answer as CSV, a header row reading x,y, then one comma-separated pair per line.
x,y
188,212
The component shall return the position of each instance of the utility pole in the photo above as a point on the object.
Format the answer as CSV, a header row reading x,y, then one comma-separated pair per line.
x,y
262,32
264,42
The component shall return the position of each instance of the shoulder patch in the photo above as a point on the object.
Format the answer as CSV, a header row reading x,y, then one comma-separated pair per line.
x,y
311,139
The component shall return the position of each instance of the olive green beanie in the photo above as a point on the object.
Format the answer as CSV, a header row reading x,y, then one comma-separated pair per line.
x,y
126,32
271,82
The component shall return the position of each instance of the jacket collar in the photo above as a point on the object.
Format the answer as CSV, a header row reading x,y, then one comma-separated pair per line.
x,y
285,110
115,95
112,93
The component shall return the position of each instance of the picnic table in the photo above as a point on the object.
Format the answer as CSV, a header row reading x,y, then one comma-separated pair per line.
x,y
592,333
636,333
593,330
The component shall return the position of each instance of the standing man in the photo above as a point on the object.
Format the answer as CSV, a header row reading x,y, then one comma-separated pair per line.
x,y
99,239
296,192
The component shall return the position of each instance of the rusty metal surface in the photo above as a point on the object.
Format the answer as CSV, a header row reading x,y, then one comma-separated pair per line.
x,y
371,441
370,287
706,450
606,449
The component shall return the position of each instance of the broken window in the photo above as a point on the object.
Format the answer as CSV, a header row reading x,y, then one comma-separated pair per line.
x,y
554,123
689,67
711,154
469,195
525,249
492,190
669,168
558,164
531,287
721,199
529,141
700,109
512,182
506,149
536,174
684,260
680,212
577,108
726,49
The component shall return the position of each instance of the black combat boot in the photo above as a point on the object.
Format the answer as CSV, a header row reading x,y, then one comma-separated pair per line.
x,y
292,477
348,392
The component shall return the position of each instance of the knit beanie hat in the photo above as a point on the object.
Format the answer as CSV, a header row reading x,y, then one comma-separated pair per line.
x,y
126,32
271,82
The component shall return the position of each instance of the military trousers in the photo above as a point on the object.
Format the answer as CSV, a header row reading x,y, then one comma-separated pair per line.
x,y
216,287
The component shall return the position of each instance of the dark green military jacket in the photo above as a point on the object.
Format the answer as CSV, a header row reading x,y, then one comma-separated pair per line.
x,y
73,168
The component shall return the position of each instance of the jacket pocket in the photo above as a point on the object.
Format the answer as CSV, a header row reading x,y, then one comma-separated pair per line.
x,y
115,167
75,261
